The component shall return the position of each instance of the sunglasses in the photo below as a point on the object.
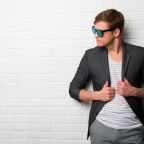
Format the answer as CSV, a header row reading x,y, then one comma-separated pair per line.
x,y
99,32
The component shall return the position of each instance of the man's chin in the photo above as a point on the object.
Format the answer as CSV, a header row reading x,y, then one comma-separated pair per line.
x,y
103,45
100,45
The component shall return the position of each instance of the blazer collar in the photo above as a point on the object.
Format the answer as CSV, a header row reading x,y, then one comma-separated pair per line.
x,y
125,61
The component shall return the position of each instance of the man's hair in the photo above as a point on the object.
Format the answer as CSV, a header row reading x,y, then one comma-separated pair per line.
x,y
114,18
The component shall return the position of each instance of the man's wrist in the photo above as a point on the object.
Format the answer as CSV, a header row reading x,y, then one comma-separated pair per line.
x,y
96,95
138,92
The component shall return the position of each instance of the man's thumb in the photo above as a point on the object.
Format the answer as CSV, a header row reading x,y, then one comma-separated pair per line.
x,y
106,84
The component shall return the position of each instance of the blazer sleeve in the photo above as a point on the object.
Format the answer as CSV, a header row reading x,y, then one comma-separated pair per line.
x,y
80,78
143,76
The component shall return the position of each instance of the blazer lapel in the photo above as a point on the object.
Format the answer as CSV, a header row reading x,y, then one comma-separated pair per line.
x,y
125,61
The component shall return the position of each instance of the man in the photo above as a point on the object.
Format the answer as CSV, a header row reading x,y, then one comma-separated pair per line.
x,y
116,69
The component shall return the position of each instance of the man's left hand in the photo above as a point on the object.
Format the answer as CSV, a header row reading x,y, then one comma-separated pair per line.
x,y
124,88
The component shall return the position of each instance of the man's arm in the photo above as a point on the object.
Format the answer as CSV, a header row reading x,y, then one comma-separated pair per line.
x,y
88,95
139,92
82,75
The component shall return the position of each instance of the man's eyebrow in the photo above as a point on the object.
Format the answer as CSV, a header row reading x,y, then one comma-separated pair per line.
x,y
101,29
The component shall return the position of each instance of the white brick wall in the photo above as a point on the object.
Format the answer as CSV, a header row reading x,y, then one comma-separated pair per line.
x,y
41,44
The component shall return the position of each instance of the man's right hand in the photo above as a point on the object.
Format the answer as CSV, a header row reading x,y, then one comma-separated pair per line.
x,y
106,93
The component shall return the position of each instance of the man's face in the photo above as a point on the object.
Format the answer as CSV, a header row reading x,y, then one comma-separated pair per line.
x,y
107,37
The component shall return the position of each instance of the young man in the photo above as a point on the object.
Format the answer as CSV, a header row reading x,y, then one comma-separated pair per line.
x,y
116,69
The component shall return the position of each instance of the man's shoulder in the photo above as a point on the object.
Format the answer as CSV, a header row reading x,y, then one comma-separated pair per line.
x,y
135,47
92,50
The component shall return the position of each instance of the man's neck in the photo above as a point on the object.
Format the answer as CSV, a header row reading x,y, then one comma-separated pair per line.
x,y
115,47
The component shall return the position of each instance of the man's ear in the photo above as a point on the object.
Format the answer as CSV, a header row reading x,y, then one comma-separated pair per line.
x,y
117,32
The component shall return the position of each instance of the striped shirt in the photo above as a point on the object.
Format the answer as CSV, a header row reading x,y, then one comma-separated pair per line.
x,y
117,113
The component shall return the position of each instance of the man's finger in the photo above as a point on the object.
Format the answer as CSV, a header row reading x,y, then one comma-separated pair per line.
x,y
126,81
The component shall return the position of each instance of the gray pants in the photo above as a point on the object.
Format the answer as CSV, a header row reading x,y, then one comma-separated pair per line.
x,y
102,134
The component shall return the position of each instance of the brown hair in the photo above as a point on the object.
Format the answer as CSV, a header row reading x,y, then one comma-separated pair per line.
x,y
114,18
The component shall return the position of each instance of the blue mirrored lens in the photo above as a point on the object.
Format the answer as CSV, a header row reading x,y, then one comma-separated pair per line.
x,y
99,32
93,30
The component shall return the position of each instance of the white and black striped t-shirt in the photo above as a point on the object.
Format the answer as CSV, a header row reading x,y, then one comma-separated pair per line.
x,y
117,112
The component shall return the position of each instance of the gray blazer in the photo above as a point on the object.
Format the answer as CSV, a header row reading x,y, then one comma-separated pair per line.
x,y
94,66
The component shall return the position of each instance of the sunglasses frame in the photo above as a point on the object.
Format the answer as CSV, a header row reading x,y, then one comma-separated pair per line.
x,y
100,32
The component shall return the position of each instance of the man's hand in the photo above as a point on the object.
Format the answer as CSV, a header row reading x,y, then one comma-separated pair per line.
x,y
126,89
106,93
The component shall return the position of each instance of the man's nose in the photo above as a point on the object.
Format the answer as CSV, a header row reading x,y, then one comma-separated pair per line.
x,y
96,35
